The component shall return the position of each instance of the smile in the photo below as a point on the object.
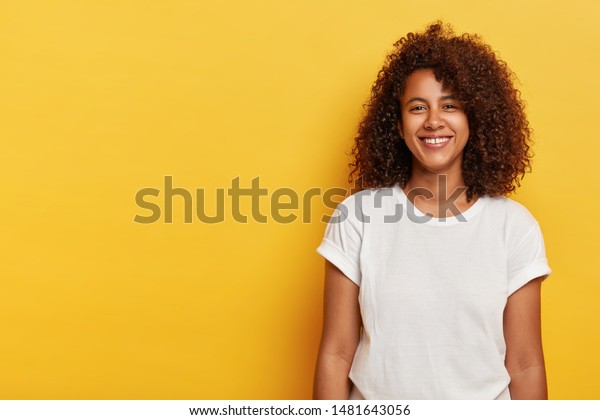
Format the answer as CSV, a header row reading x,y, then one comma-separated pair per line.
x,y
435,141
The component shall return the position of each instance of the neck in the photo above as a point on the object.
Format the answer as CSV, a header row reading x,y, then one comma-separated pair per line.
x,y
437,186
437,193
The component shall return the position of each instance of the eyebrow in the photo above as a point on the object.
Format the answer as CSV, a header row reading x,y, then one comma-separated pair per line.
x,y
443,98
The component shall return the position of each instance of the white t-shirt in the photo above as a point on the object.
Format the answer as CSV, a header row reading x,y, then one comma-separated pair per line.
x,y
432,292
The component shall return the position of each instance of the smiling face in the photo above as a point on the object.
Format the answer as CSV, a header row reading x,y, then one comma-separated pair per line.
x,y
433,125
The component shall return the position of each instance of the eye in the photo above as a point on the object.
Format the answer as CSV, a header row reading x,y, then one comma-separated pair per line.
x,y
450,106
418,108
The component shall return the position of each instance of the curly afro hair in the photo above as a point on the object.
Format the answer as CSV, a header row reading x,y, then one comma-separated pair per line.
x,y
497,153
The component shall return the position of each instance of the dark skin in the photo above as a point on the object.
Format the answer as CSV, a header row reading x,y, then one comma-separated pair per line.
x,y
429,111
522,333
341,332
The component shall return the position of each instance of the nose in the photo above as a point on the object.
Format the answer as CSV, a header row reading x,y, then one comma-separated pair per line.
x,y
434,120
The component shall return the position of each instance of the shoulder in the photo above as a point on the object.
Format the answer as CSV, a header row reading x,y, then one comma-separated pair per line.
x,y
514,220
513,212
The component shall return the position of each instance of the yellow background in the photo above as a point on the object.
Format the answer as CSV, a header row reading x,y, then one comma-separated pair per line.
x,y
101,99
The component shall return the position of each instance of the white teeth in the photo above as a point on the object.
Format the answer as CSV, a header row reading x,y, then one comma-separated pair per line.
x,y
436,140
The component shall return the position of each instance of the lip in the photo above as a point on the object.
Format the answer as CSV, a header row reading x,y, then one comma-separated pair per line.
x,y
435,145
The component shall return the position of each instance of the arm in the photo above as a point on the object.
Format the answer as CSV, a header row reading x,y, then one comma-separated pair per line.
x,y
522,333
341,332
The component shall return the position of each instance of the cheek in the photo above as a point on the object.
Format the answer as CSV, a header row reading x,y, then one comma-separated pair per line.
x,y
461,124
409,124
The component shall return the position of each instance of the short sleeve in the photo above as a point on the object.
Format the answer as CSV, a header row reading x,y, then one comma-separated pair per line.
x,y
342,242
527,260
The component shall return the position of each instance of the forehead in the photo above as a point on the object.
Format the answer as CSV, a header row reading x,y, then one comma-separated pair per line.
x,y
422,83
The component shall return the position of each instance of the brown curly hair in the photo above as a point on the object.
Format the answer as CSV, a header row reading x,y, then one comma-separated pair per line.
x,y
497,153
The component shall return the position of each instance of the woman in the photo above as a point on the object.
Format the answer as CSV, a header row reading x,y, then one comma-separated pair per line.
x,y
432,281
